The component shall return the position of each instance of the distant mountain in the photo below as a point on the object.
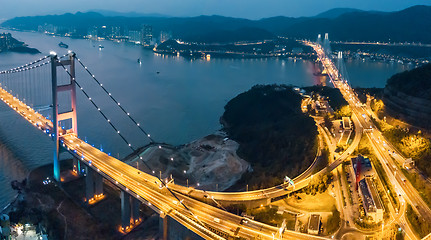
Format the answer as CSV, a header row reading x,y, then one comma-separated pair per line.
x,y
108,13
412,25
336,12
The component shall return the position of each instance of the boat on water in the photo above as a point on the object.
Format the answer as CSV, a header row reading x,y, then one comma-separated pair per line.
x,y
63,45
100,47
139,61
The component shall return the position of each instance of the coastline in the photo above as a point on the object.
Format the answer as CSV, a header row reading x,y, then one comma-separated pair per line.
x,y
11,44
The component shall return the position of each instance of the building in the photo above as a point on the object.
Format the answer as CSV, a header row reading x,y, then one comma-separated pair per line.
x,y
346,123
103,32
135,36
314,224
5,41
147,35
164,36
362,168
371,200
345,137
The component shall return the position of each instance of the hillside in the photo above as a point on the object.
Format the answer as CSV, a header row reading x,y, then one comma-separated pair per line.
x,y
273,133
336,12
411,25
10,44
407,96
416,83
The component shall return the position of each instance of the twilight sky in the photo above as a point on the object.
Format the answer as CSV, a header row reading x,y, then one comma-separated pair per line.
x,y
253,9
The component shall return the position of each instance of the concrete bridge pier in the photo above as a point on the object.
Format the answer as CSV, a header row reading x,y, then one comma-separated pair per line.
x,y
136,218
130,216
89,184
163,226
98,185
125,211
93,186
169,229
77,166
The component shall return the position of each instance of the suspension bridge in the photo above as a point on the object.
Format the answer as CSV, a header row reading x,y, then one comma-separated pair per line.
x,y
44,92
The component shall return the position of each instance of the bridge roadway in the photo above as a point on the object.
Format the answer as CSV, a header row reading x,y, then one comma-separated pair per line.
x,y
146,188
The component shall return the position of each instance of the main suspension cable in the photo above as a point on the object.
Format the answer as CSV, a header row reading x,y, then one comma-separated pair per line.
x,y
116,102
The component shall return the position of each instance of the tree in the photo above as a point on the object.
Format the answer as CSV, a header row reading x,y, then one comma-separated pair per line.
x,y
327,121
344,111
333,221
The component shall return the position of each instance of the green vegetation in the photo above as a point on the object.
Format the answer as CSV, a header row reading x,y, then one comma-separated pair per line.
x,y
367,224
10,44
333,222
421,227
349,191
407,96
342,192
274,135
421,185
385,181
267,215
319,184
377,105
415,82
344,111
320,202
237,209
334,96
363,92
328,122
323,160
410,144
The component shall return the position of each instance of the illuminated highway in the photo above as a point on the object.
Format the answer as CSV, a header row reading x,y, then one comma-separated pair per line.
x,y
406,192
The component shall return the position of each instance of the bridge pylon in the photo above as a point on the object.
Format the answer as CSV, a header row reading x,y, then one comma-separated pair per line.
x,y
68,115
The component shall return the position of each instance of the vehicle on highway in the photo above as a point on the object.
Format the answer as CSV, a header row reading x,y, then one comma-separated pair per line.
x,y
243,221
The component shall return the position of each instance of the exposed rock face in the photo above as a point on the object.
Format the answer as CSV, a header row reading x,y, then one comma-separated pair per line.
x,y
408,96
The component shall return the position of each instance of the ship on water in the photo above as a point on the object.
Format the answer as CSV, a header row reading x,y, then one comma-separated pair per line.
x,y
63,45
